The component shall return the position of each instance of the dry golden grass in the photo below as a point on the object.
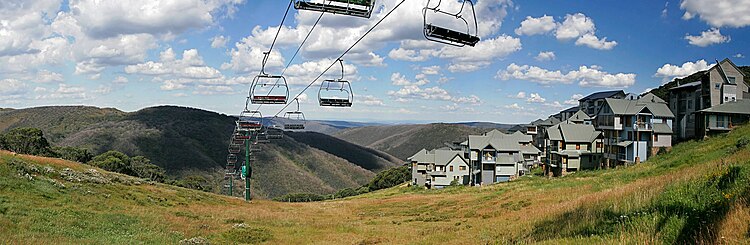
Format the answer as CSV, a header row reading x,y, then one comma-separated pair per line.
x,y
502,213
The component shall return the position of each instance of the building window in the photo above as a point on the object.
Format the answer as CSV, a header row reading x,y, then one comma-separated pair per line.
x,y
578,146
721,121
717,85
731,80
451,168
656,138
599,145
462,168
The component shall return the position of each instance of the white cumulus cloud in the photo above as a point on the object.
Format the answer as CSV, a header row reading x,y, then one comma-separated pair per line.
x,y
707,38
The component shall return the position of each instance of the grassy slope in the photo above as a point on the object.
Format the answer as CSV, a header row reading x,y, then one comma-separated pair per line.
x,y
649,203
402,141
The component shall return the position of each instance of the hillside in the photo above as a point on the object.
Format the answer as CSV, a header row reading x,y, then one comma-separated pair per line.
x,y
186,141
402,141
697,194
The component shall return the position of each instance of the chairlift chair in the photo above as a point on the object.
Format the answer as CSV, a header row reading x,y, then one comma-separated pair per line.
x,y
234,148
295,120
231,159
249,121
328,98
446,35
274,132
357,8
273,82
261,137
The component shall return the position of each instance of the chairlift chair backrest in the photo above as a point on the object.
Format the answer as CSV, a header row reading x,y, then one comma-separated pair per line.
x,y
339,86
445,35
357,8
277,93
250,121
295,120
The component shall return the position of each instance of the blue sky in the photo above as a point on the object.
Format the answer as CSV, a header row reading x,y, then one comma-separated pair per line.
x,y
535,57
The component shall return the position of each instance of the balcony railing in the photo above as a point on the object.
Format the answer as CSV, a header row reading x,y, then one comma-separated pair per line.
x,y
489,159
643,126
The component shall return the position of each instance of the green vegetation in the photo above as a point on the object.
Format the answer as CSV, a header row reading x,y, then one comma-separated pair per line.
x,y
139,166
26,141
695,194
390,178
190,145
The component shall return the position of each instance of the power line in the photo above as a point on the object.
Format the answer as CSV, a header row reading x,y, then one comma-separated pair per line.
x,y
341,56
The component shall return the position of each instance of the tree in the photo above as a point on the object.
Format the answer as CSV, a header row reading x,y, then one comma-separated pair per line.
x,y
390,178
27,141
195,182
73,154
143,168
113,161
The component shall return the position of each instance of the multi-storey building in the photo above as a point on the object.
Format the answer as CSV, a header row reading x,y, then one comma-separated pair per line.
x,y
722,83
593,102
439,168
572,147
634,129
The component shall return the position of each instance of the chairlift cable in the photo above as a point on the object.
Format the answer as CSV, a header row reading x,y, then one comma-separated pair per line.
x,y
342,55
295,55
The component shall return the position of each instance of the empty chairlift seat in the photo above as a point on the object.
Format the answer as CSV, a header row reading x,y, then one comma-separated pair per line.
x,y
249,121
357,8
449,35
294,120
336,92
267,89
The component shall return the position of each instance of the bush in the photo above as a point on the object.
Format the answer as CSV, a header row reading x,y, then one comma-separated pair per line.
x,y
390,178
195,182
662,150
73,154
346,192
143,168
138,166
113,161
29,141
300,197
742,142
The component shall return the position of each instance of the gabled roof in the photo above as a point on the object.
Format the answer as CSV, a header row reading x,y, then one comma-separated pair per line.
x,y
649,97
553,133
443,157
633,107
687,85
721,69
549,121
734,107
578,133
423,156
501,142
602,95
580,116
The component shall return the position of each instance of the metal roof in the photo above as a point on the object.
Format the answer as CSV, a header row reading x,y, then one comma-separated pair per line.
x,y
687,85
501,141
625,143
662,128
602,95
572,109
580,116
734,107
578,133
633,107
649,97
443,157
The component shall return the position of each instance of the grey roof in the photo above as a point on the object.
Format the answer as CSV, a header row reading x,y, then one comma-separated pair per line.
x,y
633,107
687,85
502,142
602,95
442,157
578,132
649,97
580,116
553,133
734,107
625,143
662,128
549,121
423,156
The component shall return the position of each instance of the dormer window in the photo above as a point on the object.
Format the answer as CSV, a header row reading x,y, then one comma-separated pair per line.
x,y
731,80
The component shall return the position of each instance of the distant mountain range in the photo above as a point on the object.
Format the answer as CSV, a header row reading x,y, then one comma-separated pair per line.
x,y
403,141
187,141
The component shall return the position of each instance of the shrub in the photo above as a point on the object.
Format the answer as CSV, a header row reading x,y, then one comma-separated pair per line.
x,y
390,178
113,161
346,192
73,154
143,168
195,182
742,142
662,150
300,197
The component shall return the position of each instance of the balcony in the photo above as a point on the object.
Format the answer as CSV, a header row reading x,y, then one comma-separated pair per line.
x,y
486,159
643,126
